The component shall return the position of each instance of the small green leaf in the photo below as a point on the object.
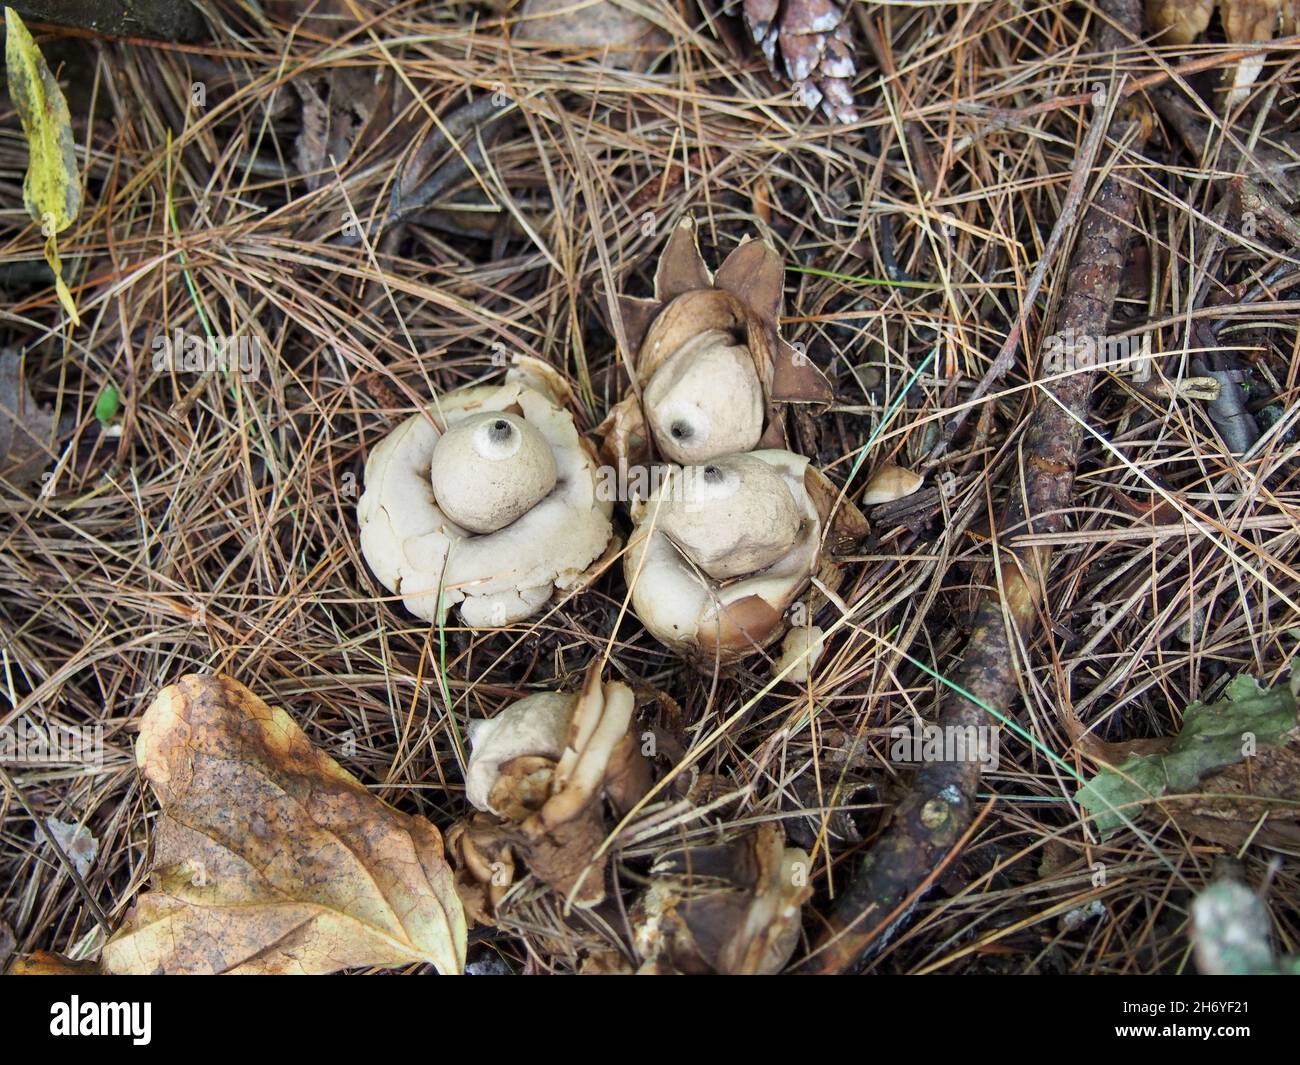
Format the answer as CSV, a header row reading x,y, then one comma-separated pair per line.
x,y
106,405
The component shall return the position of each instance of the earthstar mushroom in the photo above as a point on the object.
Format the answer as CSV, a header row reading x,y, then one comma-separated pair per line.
x,y
719,553
486,499
710,363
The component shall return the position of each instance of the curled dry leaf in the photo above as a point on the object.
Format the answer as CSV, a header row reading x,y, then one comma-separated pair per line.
x,y
76,841
539,773
622,37
345,109
271,858
733,908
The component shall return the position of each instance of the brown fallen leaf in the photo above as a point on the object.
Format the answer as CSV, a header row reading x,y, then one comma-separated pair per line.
x,y
344,111
271,858
25,430
44,963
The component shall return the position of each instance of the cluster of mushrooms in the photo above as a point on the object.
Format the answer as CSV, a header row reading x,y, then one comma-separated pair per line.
x,y
491,501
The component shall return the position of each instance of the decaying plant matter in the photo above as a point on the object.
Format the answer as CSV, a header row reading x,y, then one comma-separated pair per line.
x,y
487,499
25,429
711,367
1230,775
720,552
731,908
540,774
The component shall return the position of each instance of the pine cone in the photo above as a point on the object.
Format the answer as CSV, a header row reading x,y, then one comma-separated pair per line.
x,y
810,42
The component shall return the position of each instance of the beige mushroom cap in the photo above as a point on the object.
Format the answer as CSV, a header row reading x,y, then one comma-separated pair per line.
x,y
419,551
489,469
705,400
733,516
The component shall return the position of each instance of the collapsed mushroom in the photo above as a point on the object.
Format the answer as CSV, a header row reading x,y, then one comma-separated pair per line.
x,y
720,552
709,360
733,908
539,772
486,499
